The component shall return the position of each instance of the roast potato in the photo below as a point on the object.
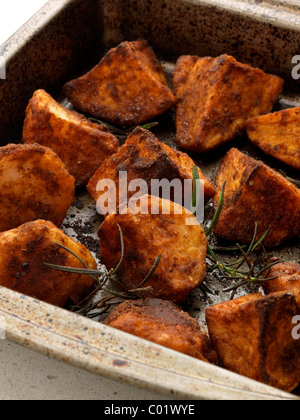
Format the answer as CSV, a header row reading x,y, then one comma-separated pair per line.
x,y
127,88
278,135
166,324
154,227
34,184
216,96
256,193
23,252
143,157
253,337
287,280
81,145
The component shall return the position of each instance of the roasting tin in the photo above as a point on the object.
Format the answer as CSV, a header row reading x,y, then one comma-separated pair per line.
x,y
66,38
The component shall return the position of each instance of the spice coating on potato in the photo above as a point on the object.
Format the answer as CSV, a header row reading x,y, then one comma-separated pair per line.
x,y
166,324
278,135
288,279
128,87
23,252
144,157
183,247
216,96
253,337
34,184
256,193
81,145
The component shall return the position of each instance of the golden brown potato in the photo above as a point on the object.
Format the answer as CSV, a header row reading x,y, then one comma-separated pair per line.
x,y
144,157
288,280
278,135
34,184
216,96
128,87
167,231
81,145
256,193
23,252
166,324
253,337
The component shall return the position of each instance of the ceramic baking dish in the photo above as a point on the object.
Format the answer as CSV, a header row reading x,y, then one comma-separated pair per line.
x,y
62,40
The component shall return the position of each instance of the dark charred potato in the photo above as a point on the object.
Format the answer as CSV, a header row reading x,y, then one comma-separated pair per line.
x,y
278,135
81,145
256,193
288,280
152,227
163,323
127,88
216,96
144,157
23,252
253,337
34,184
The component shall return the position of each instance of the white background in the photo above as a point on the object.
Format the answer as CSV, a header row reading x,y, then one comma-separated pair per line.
x,y
13,13
25,375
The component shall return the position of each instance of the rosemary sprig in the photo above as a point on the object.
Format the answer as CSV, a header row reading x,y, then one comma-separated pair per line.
x,y
249,261
124,132
93,306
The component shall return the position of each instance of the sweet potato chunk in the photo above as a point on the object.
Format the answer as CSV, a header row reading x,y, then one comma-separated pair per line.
x,y
253,337
143,157
34,184
23,252
128,87
216,96
166,324
152,227
288,280
81,145
278,135
256,193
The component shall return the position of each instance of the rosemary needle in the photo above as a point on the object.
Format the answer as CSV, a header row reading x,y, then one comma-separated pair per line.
x,y
153,269
122,251
94,277
232,271
124,132
92,307
73,270
195,188
112,128
261,240
293,181
218,212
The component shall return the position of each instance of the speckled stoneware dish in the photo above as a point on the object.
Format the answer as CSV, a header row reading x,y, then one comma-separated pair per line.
x,y
67,37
